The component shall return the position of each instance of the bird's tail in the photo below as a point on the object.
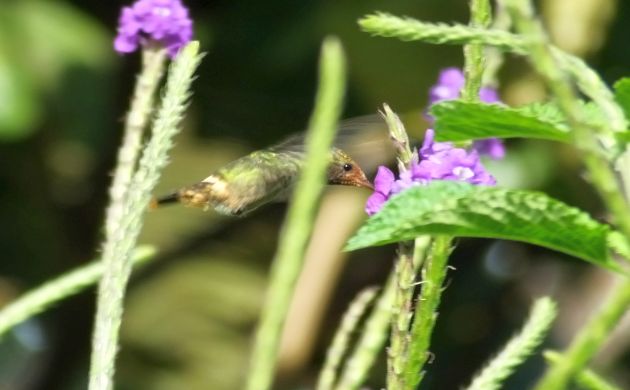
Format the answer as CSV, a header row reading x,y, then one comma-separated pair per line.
x,y
166,199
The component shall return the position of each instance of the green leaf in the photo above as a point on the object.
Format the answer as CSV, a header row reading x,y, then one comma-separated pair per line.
x,y
465,121
622,95
464,210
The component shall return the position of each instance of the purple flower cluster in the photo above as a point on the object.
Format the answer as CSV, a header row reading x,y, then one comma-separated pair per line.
x,y
440,160
165,22
435,161
450,83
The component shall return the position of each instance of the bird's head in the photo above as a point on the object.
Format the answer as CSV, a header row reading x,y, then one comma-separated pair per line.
x,y
343,170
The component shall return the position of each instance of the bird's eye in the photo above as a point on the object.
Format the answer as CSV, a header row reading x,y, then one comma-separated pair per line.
x,y
347,167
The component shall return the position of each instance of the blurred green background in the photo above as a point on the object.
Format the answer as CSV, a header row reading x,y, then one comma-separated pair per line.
x,y
190,315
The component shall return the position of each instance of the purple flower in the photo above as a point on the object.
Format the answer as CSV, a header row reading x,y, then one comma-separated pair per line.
x,y
489,95
450,83
492,147
382,188
436,161
165,22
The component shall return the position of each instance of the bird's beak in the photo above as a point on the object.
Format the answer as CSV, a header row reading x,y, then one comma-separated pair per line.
x,y
363,182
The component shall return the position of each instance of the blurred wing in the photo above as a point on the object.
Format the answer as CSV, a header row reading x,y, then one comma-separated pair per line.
x,y
364,138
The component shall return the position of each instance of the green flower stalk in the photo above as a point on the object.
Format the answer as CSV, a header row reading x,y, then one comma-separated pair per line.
x,y
588,340
142,102
586,378
480,17
118,247
518,348
341,341
436,265
434,273
399,137
407,29
371,340
410,257
494,56
43,297
299,221
591,337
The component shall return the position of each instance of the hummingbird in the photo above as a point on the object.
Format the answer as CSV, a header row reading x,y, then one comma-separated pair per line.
x,y
261,177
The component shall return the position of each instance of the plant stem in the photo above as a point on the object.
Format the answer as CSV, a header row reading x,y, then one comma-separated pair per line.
x,y
594,333
494,57
118,247
153,60
398,136
589,83
398,293
371,341
435,268
297,228
41,298
434,272
480,17
410,259
588,341
586,378
342,337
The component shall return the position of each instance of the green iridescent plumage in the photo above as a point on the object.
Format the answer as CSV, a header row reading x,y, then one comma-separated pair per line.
x,y
261,177
258,178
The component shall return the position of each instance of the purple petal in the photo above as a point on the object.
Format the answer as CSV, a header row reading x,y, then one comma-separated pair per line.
x,y
442,161
450,83
406,180
384,180
430,147
427,144
163,21
375,203
452,77
489,95
125,44
492,147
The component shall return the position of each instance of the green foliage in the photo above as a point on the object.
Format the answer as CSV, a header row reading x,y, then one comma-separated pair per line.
x,y
457,120
408,29
463,121
587,80
464,210
622,95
